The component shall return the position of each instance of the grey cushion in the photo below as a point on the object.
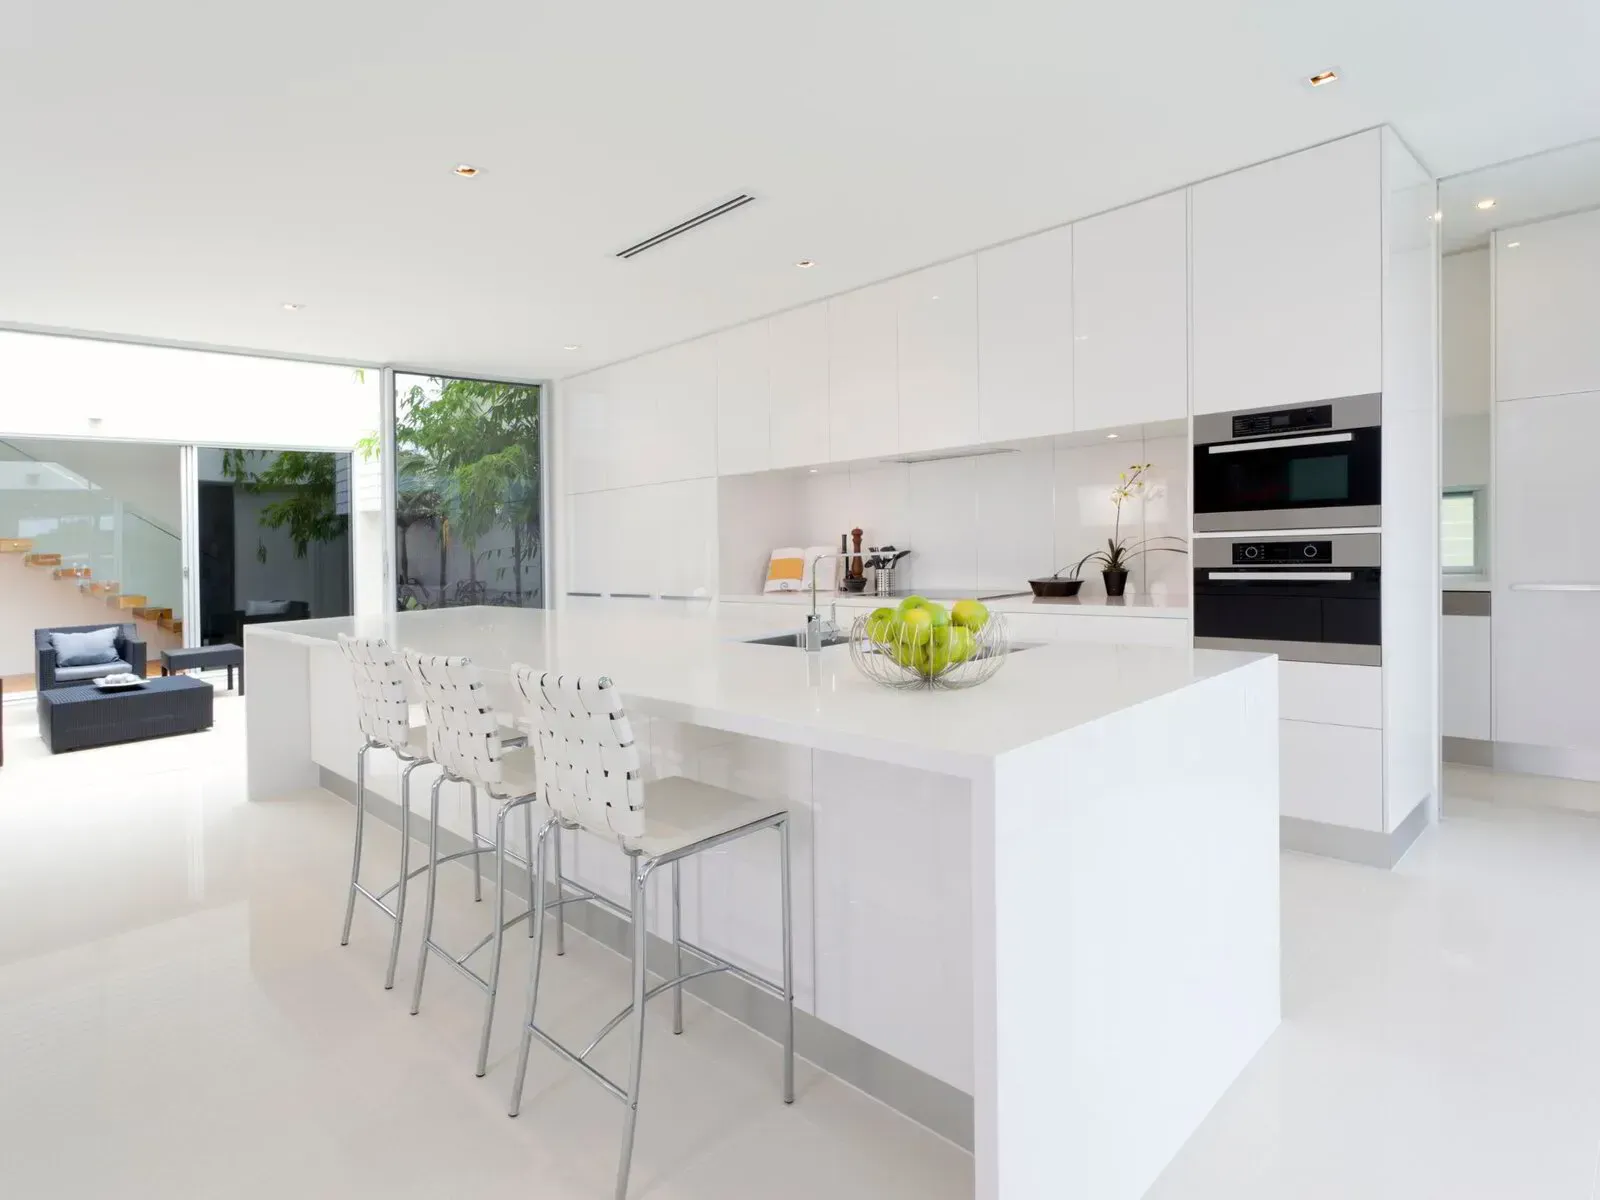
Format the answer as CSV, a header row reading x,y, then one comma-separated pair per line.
x,y
92,670
267,608
86,649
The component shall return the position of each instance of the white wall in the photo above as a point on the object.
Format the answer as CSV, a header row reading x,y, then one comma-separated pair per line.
x,y
1464,331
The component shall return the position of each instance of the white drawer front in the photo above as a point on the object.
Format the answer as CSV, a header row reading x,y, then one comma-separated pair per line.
x,y
1331,694
1332,773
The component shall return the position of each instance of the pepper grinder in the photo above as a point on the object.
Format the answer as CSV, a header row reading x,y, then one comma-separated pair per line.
x,y
856,570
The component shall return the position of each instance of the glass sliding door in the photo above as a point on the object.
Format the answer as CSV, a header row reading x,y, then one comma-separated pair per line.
x,y
468,509
272,529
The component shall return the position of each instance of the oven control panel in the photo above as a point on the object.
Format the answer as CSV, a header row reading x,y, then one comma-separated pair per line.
x,y
1280,554
1288,420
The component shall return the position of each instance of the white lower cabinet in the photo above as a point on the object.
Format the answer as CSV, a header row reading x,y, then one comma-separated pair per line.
x,y
1467,698
892,906
1332,774
1331,694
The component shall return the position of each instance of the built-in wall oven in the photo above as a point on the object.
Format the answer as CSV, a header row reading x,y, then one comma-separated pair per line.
x,y
1315,466
1305,600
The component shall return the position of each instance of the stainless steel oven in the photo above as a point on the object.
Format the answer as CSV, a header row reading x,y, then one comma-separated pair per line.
x,y
1305,600
1314,466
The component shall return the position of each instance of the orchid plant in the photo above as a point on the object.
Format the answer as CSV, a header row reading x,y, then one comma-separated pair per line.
x,y
1118,554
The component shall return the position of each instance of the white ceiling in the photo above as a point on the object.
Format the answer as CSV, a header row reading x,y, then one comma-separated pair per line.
x,y
1526,189
177,169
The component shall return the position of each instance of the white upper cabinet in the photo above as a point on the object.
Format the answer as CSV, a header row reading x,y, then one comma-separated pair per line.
x,y
798,391
1025,337
684,445
938,356
633,395
1130,273
744,364
1543,347
1288,279
584,403
863,386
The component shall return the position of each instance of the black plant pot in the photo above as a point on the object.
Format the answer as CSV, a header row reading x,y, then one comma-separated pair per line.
x,y
1116,582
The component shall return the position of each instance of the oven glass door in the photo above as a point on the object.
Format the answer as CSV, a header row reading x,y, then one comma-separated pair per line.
x,y
1327,605
1322,470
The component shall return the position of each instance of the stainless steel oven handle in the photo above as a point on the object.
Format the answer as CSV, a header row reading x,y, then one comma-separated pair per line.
x,y
1281,576
1321,439
1555,587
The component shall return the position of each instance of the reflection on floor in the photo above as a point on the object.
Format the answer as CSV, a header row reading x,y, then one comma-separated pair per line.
x,y
170,979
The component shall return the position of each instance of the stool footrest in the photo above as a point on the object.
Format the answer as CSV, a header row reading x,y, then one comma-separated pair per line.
x,y
649,995
378,899
603,1080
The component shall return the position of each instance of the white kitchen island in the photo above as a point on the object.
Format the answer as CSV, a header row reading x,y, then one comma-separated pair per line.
x,y
1040,915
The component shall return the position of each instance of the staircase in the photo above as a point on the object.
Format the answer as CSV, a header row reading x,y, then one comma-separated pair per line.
x,y
80,556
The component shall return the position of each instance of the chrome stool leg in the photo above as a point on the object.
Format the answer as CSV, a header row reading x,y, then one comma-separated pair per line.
x,y
477,846
641,934
433,892
405,869
561,908
361,821
498,944
677,951
536,861
535,875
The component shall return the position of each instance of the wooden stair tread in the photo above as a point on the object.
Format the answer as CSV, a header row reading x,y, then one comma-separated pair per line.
x,y
126,601
16,545
42,560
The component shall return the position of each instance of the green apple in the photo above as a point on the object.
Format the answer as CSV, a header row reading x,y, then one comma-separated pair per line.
x,y
907,655
969,613
916,626
882,625
911,602
960,645
939,613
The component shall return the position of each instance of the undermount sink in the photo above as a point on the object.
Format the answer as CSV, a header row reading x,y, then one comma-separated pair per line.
x,y
797,640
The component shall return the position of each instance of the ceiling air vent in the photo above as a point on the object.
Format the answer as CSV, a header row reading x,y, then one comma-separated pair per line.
x,y
710,214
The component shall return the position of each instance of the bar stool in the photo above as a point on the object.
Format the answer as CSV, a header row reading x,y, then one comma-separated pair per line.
x,y
466,740
383,714
590,778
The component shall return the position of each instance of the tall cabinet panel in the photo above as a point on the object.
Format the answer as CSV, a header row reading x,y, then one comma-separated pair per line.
x,y
1547,566
744,365
685,442
863,364
1287,262
798,391
1552,275
1025,337
938,356
1130,271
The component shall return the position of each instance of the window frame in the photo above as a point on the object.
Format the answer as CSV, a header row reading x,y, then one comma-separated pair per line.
x,y
1480,540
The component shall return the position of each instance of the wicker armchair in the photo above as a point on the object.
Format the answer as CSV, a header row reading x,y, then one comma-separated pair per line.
x,y
130,657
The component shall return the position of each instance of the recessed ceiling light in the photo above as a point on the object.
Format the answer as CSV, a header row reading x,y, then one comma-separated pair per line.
x,y
1437,216
1486,203
572,346
813,470
287,307
805,262
466,170
1111,435
1322,77
1512,245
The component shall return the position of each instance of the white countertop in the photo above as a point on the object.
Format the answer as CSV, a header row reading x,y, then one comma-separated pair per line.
x,y
1175,607
695,667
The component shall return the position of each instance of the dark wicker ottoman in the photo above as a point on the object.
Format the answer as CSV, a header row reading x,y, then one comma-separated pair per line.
x,y
74,718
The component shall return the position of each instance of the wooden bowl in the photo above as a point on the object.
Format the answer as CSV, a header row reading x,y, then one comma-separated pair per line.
x,y
1055,589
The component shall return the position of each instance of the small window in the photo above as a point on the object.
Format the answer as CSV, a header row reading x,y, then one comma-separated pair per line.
x,y
1461,532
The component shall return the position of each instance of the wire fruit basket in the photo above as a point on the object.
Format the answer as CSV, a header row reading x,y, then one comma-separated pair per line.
x,y
895,654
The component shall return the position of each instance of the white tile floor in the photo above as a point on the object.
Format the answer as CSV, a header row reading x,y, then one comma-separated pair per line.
x,y
177,1020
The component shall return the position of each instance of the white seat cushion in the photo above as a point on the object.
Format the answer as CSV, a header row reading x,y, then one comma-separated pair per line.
x,y
679,812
